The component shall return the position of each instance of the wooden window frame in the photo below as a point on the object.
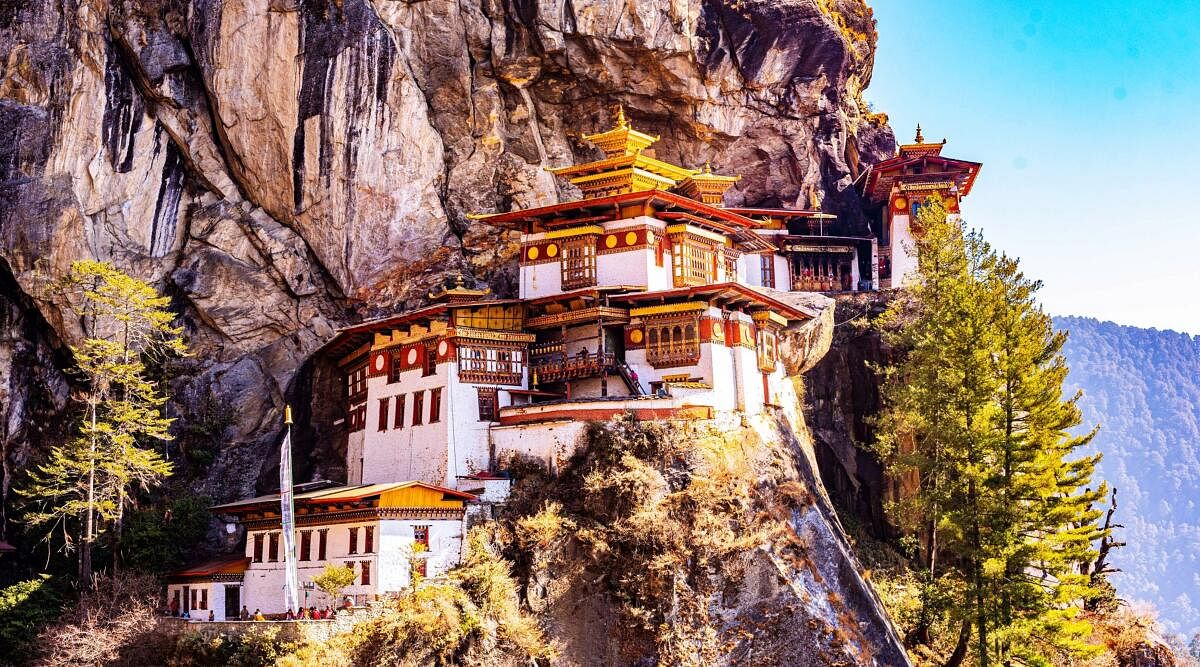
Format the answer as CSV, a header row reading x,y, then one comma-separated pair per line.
x,y
673,342
322,543
353,546
382,421
369,539
259,539
768,349
487,364
489,403
418,408
693,262
364,572
204,599
578,262
429,366
767,269
357,417
305,545
273,547
436,404
398,417
356,382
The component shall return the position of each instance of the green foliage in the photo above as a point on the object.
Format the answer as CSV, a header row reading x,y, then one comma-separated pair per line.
x,y
334,579
24,608
257,647
976,419
203,428
476,610
86,485
161,538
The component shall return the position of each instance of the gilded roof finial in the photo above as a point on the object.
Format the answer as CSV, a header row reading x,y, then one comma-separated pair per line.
x,y
920,137
708,166
622,123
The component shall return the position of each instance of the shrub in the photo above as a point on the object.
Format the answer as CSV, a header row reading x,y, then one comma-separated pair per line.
x,y
333,580
257,647
113,623
24,608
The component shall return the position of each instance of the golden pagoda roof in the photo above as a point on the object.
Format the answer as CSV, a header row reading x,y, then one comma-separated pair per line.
x,y
919,147
626,166
622,139
458,293
706,186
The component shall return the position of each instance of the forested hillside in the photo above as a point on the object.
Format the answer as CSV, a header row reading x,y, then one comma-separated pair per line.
x,y
1142,386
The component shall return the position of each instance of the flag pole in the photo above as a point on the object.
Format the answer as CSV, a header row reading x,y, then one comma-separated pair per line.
x,y
287,511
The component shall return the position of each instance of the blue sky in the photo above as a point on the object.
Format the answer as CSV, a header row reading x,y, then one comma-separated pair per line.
x,y
1086,117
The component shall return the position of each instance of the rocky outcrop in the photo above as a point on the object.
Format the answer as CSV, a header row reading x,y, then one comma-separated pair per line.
x,y
841,400
710,542
278,165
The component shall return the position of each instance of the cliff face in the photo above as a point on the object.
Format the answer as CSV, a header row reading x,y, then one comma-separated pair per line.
x,y
276,164
281,167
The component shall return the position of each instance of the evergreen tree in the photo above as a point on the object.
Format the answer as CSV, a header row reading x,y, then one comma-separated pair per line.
x,y
976,424
87,484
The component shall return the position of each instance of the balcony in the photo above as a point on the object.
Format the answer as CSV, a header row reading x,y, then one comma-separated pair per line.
x,y
558,368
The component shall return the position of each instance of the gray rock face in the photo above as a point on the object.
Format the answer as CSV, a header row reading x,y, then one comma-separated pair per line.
x,y
276,164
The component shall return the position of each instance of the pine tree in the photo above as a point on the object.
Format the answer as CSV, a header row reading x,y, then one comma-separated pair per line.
x,y
976,421
86,484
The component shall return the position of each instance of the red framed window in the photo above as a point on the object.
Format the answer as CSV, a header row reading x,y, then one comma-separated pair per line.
x,y
430,366
487,404
398,422
435,405
273,547
258,547
305,544
204,598
322,541
383,413
369,539
366,572
353,541
418,408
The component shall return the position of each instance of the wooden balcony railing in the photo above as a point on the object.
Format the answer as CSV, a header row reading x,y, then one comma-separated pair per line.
x,y
558,368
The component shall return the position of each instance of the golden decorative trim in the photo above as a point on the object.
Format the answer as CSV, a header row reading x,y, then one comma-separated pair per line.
x,y
685,307
573,231
769,316
610,315
485,334
696,231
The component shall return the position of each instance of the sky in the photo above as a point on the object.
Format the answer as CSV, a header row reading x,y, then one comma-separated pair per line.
x,y
1086,117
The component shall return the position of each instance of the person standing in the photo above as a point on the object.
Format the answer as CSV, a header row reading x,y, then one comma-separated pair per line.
x,y
245,615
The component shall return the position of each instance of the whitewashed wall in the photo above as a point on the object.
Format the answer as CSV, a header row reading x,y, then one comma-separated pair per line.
x,y
389,560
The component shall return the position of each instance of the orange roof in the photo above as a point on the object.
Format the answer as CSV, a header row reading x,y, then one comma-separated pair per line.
x,y
227,565
337,494
527,220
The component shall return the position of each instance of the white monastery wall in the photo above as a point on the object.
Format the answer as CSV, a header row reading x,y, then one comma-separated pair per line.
x,y
551,443
468,437
539,280
903,247
213,600
389,559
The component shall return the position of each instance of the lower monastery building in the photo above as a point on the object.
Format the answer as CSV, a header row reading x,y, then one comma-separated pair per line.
x,y
644,296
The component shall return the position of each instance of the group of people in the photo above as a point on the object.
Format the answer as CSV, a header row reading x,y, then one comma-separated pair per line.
x,y
306,614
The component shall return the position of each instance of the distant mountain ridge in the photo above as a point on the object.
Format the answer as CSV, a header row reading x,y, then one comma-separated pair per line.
x,y
1142,386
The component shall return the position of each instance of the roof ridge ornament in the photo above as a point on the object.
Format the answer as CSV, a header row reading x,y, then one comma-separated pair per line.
x,y
920,137
622,122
